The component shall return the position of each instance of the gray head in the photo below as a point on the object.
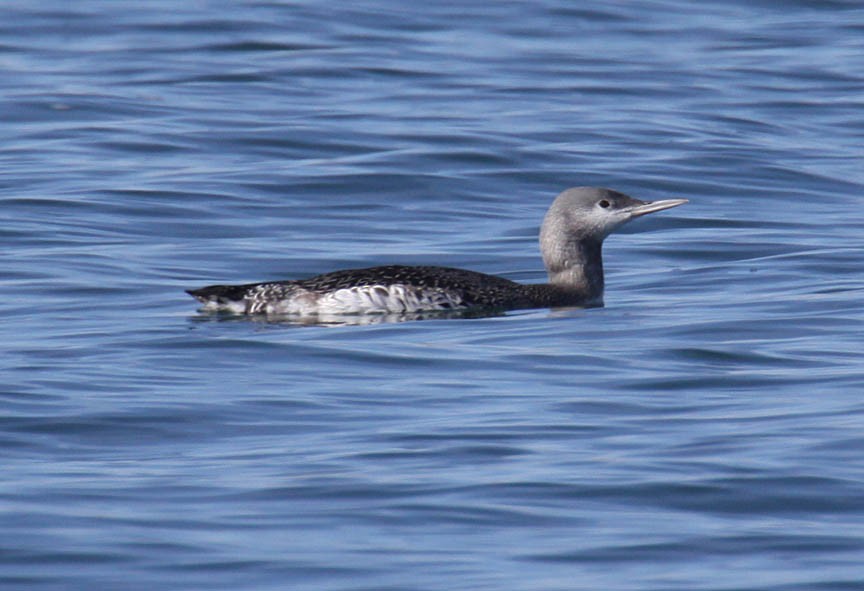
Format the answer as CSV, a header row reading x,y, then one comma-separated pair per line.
x,y
575,226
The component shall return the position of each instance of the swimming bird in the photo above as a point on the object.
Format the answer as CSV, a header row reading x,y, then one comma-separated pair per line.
x,y
571,240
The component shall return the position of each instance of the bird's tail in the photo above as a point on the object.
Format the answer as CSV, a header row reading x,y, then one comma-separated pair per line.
x,y
221,297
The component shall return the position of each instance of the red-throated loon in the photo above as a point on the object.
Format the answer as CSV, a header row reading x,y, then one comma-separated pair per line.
x,y
571,240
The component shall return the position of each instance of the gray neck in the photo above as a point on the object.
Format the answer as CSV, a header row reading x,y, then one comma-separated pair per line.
x,y
577,265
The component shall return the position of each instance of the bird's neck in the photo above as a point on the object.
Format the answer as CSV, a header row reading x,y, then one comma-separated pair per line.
x,y
577,265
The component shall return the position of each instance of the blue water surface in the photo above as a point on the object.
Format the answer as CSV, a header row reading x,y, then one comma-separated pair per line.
x,y
703,431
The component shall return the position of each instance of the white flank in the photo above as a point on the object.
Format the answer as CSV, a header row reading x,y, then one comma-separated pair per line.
x,y
364,299
385,299
233,306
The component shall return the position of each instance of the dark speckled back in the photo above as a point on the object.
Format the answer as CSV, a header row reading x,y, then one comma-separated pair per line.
x,y
476,289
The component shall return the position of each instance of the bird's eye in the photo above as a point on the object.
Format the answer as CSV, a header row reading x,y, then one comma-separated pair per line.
x,y
604,204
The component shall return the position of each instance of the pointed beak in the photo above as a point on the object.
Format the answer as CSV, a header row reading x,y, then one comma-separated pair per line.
x,y
646,207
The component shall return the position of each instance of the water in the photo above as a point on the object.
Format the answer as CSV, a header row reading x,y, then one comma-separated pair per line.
x,y
703,431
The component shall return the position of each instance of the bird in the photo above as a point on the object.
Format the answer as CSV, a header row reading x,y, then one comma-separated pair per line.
x,y
571,241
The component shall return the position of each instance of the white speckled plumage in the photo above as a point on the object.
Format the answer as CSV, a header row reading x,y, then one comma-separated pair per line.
x,y
571,238
387,299
366,299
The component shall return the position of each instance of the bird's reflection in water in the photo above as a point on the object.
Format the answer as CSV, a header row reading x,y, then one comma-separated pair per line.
x,y
334,320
